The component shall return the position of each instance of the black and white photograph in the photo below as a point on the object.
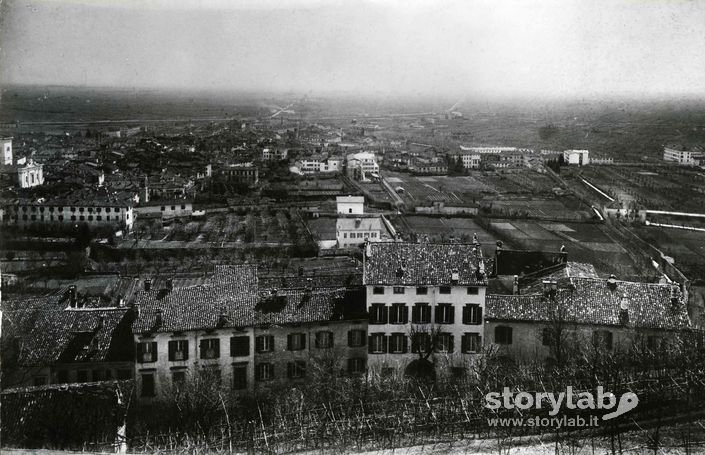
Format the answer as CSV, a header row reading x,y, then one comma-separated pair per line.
x,y
379,227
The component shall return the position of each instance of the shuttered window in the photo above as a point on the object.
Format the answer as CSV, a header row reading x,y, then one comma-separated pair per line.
x,y
178,350
472,314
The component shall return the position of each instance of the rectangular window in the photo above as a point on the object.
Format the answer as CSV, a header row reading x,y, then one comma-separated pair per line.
x,y
210,348
296,369
398,289
503,335
239,346
178,350
296,341
378,313
421,313
602,339
420,342
147,352
472,314
178,379
422,290
548,337
398,343
377,343
399,314
378,290
357,365
472,290
264,372
324,340
264,343
444,290
356,338
445,313
240,376
471,343
147,385
444,342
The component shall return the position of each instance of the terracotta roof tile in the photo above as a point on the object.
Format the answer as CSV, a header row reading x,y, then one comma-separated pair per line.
x,y
396,263
595,301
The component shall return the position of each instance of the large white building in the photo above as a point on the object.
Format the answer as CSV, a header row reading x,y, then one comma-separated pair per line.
x,y
362,165
683,157
351,232
425,303
579,157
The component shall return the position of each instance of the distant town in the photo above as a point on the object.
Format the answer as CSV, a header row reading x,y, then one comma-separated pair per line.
x,y
197,268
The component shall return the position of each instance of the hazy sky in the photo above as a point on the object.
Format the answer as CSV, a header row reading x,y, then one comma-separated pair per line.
x,y
563,47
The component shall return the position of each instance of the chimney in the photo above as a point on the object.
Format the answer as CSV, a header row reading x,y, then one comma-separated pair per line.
x,y
455,276
148,284
73,300
222,317
624,310
674,297
515,285
158,319
612,282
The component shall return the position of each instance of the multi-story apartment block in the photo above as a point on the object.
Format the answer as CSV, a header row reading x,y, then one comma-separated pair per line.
x,y
425,303
362,165
6,145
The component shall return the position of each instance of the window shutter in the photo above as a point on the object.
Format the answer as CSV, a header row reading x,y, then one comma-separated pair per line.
x,y
154,350
451,342
404,314
140,352
172,350
201,348
405,344
271,343
332,339
385,344
464,343
451,312
288,342
369,344
216,348
259,344
466,314
438,314
415,313
303,340
350,339
478,348
479,315
363,337
385,314
270,367
509,335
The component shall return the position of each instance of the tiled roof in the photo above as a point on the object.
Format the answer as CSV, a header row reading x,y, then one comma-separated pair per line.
x,y
48,332
231,299
396,263
571,270
595,301
339,280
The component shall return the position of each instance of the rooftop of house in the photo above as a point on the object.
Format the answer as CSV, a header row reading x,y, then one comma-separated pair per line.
x,y
597,301
350,199
48,330
397,263
231,298
360,223
87,197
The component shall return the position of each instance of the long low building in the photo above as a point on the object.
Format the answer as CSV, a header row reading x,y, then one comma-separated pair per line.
x,y
94,208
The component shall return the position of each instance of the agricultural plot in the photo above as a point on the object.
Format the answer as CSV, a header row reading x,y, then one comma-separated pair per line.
x,y
443,229
675,188
254,226
322,228
687,248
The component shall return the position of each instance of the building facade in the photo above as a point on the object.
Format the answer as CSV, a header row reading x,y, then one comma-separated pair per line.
x,y
425,304
579,157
